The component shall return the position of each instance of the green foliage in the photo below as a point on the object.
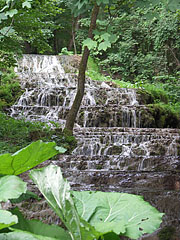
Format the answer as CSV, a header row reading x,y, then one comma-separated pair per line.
x,y
163,95
95,213
7,60
10,187
165,115
28,157
31,25
144,48
86,215
93,71
120,213
7,219
10,88
16,134
64,51
36,227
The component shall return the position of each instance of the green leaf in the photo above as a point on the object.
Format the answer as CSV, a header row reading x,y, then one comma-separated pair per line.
x,y
27,158
2,17
105,37
26,4
7,31
113,38
11,187
60,149
7,219
56,190
173,5
5,7
11,12
115,209
104,45
90,43
39,228
25,196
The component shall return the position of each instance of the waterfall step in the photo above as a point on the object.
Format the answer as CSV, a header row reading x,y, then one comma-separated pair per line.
x,y
88,116
116,162
128,142
116,180
120,130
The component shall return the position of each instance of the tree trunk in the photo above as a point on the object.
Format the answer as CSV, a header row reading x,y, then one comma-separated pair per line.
x,y
75,26
81,76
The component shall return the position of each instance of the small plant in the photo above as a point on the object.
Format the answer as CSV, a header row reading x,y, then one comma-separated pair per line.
x,y
64,51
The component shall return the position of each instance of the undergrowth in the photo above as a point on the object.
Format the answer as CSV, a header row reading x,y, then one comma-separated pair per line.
x,y
10,88
16,134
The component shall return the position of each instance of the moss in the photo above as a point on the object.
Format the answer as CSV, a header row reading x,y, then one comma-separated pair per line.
x,y
66,139
164,116
167,233
99,167
145,97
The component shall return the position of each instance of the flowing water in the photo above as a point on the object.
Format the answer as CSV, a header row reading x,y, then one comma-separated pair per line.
x,y
116,151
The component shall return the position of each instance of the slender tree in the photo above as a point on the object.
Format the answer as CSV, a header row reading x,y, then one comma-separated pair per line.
x,y
81,76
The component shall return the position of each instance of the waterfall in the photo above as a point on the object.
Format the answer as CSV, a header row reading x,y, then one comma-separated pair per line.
x,y
116,150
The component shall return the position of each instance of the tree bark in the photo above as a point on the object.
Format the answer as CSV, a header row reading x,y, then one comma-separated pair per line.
x,y
75,26
71,117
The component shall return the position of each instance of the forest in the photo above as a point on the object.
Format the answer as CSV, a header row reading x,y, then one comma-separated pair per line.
x,y
128,44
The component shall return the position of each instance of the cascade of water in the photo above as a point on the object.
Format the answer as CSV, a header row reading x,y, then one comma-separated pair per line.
x,y
113,152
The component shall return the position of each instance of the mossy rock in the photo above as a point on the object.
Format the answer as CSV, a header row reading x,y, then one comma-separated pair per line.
x,y
144,97
164,117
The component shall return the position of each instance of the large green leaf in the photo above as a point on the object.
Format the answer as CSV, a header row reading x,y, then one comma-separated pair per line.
x,y
121,213
90,43
56,190
20,235
28,157
11,187
39,228
7,219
